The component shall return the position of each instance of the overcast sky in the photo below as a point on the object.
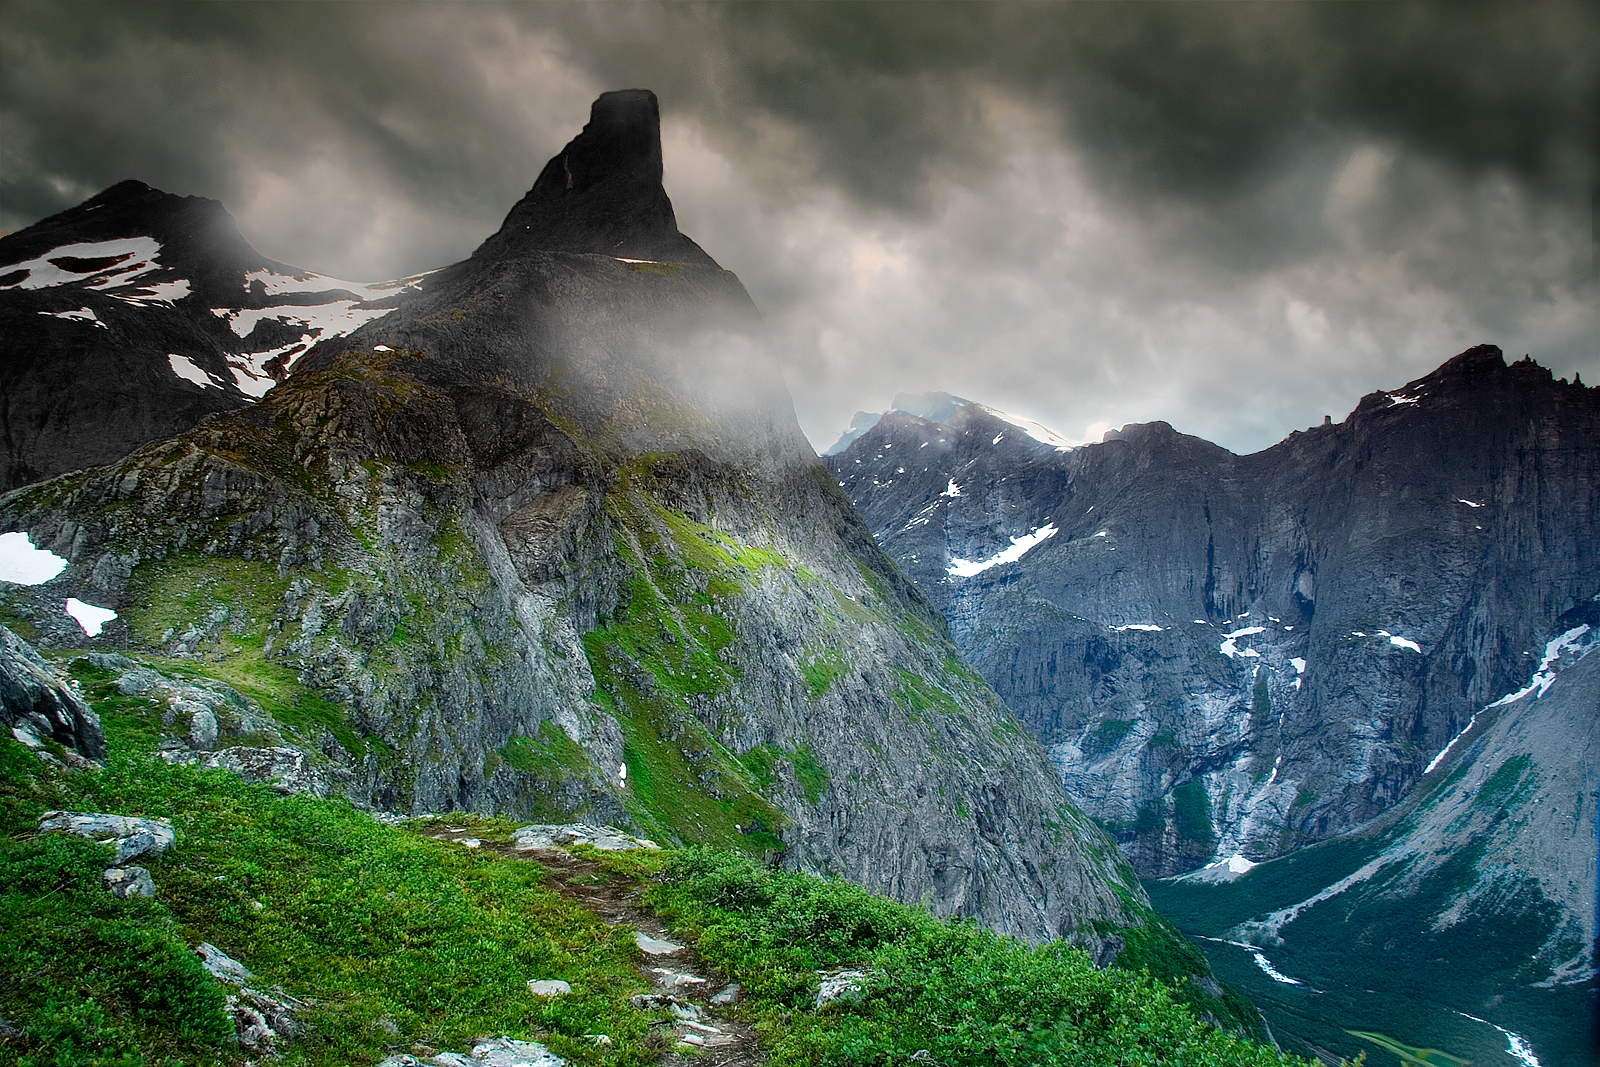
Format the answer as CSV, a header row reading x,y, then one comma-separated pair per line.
x,y
1236,217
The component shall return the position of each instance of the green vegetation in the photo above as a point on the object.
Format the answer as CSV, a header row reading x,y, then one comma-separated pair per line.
x,y
822,668
238,599
550,755
762,762
1383,965
936,991
1191,811
391,938
395,939
1108,733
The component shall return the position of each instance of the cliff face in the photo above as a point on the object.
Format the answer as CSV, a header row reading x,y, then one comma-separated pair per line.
x,y
134,315
1243,654
547,540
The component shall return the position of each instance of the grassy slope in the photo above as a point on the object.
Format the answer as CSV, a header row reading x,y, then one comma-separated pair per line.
x,y
397,939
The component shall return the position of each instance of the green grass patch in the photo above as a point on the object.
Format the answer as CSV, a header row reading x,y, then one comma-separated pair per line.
x,y
1108,733
762,763
378,929
1191,811
1409,1054
822,669
550,754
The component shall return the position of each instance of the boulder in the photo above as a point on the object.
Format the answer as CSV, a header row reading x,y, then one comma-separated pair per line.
x,y
132,838
34,700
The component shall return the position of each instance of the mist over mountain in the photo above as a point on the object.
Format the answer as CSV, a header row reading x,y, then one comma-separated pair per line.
x,y
545,539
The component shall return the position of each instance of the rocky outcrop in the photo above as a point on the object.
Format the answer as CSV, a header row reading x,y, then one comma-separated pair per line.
x,y
1244,654
136,314
38,706
547,540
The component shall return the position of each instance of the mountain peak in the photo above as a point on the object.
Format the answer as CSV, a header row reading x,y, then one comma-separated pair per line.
x,y
602,192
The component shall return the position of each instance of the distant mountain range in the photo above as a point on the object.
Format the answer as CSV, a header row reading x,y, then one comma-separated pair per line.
x,y
1378,633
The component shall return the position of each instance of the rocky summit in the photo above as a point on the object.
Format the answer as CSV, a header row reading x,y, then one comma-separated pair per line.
x,y
1241,655
546,539
134,315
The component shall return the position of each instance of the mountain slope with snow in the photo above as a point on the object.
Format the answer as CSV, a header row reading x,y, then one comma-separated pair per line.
x,y
132,316
1240,655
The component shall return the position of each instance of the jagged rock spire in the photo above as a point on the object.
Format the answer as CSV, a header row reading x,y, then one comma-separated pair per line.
x,y
602,192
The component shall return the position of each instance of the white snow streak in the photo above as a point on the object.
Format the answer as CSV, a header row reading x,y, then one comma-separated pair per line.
x,y
1517,1045
966,568
1445,751
952,490
1468,503
81,315
1039,433
1544,677
189,372
1138,626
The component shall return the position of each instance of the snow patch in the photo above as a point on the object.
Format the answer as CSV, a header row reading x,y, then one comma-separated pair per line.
x,y
1401,398
131,256
22,564
952,490
189,372
966,568
1138,626
1033,429
1230,646
81,315
1545,677
1468,503
156,292
90,617
276,284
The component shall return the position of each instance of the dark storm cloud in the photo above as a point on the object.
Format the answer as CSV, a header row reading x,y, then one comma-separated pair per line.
x,y
1234,216
1187,108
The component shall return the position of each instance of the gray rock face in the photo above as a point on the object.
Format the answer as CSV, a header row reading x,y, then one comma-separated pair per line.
x,y
1244,654
131,838
34,700
547,540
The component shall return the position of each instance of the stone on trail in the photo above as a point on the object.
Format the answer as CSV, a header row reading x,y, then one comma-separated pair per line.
x,y
222,966
728,995
651,946
839,985
604,838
